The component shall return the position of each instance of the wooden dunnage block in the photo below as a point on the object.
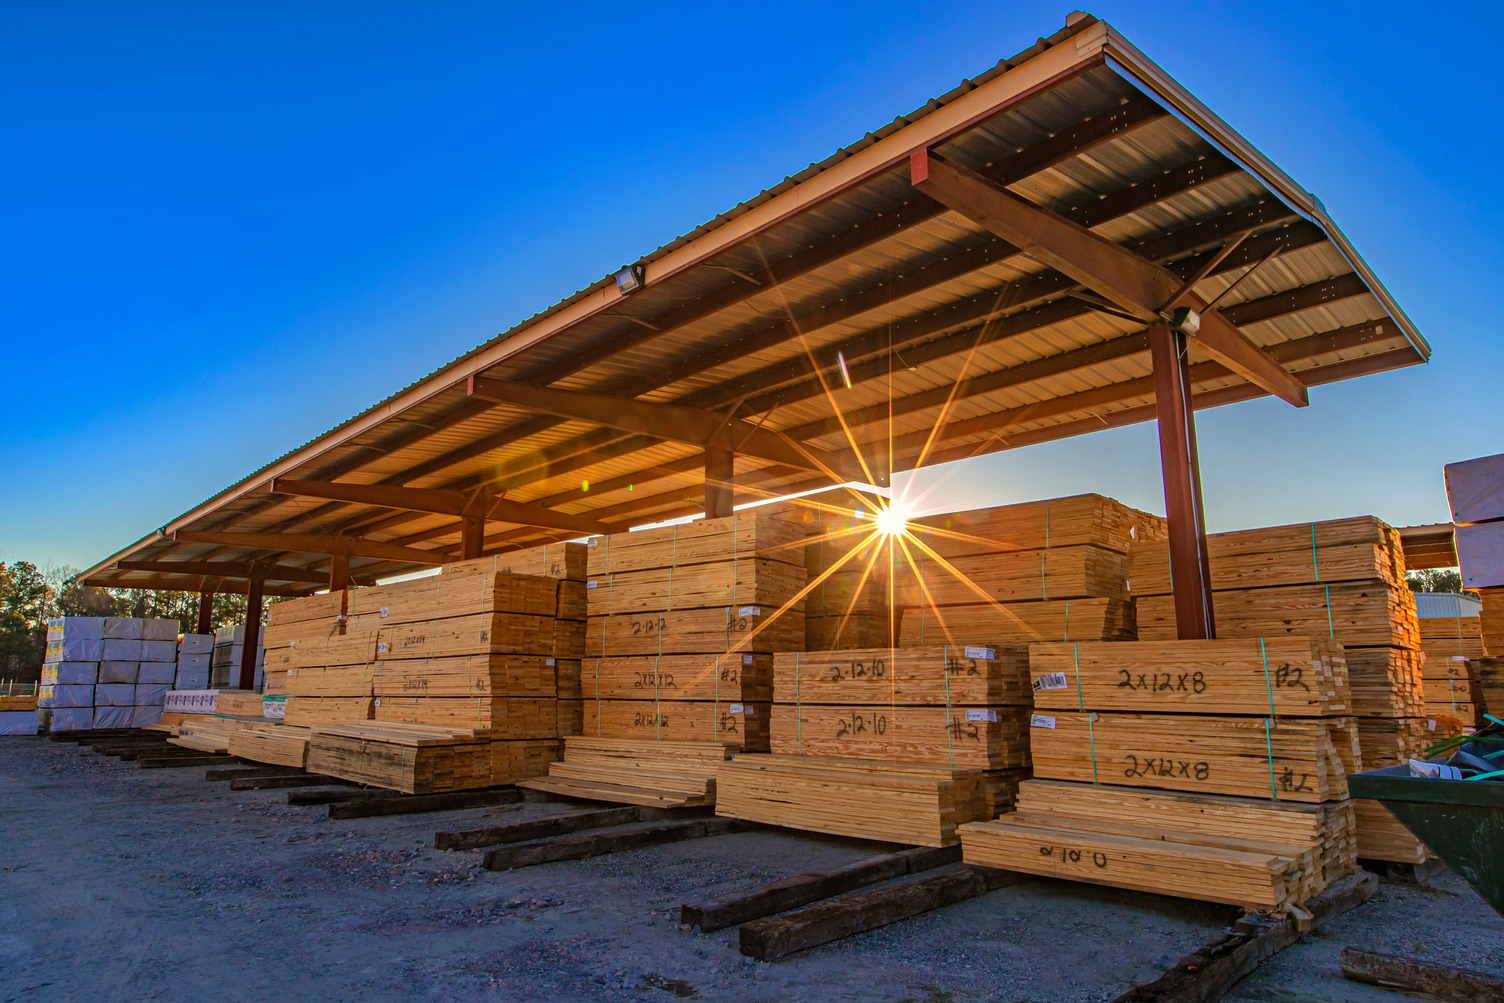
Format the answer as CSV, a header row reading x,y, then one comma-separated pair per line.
x,y
970,675
1299,676
751,581
1293,759
759,533
1361,613
1019,623
480,633
497,675
739,725
983,738
738,678
1058,522
866,800
500,717
695,631
307,712
1057,573
413,759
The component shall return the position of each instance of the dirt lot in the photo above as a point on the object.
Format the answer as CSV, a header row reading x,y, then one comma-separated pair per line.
x,y
118,883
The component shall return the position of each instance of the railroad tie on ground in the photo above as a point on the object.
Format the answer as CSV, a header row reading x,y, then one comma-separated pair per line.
x,y
559,825
412,804
1210,972
802,889
246,772
321,797
178,762
1418,975
616,839
776,937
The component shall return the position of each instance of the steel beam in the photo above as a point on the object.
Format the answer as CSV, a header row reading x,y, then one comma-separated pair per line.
x,y
205,611
1190,568
1138,286
227,569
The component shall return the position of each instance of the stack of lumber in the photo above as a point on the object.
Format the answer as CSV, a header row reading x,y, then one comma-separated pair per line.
x,y
468,652
848,563
292,622
1451,637
1390,742
315,659
1343,579
933,706
1016,574
1258,854
658,774
1446,637
1491,620
897,803
411,758
17,702
277,744
1489,673
568,565
211,734
695,604
1245,744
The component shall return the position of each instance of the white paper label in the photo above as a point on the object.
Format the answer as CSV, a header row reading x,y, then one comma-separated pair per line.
x,y
548,661
383,612
292,644
747,712
749,611
380,647
341,618
736,708
590,585
746,659
377,702
1041,721
1431,725
590,542
1050,681
1459,658
986,654
981,715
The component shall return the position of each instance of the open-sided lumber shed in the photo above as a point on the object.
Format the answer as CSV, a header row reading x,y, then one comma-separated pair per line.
x,y
1068,242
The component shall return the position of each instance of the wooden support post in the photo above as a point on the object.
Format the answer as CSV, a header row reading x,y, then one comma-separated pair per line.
x,y
252,634
1190,574
720,469
206,612
473,525
339,572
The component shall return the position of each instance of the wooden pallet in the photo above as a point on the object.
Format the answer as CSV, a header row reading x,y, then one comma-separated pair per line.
x,y
1285,676
892,802
984,738
966,674
1019,623
1293,759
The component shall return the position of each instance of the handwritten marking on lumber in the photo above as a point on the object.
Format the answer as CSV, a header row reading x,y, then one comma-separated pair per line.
x,y
855,723
1070,855
1159,766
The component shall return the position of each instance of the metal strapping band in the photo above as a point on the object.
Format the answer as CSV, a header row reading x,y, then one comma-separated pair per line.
x,y
950,726
1268,721
1091,730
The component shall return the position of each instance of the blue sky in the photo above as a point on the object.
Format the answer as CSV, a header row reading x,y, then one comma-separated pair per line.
x,y
228,227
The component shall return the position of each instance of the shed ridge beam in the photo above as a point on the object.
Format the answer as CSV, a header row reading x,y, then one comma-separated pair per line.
x,y
1136,284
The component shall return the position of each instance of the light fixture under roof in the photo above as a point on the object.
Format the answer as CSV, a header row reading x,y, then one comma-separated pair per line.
x,y
631,278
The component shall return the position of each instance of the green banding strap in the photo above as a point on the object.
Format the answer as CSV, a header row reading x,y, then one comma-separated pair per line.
x,y
597,698
657,704
1268,741
718,688
922,621
798,709
1091,730
1067,635
950,749
1485,776
1493,719
1330,631
1044,589
1316,567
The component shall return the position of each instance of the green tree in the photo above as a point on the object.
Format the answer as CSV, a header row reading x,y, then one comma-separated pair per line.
x,y
1436,580
24,606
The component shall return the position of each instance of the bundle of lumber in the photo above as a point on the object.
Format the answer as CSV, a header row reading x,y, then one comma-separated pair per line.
x,y
664,774
1444,637
1354,614
1451,692
300,623
1385,682
868,800
413,759
1015,574
964,706
735,725
1284,676
211,734
1491,620
277,744
849,604
239,703
741,677
1381,836
1258,854
1489,673
10,702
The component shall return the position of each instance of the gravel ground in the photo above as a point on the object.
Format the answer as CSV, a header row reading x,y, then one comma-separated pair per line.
x,y
118,883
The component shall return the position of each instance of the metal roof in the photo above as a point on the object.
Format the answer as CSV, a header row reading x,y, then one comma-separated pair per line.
x,y
955,343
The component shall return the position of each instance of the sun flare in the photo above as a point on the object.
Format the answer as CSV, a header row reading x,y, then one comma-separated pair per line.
x,y
892,520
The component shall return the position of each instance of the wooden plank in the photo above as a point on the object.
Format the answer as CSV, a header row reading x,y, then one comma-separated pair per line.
x,y
730,629
1018,623
1057,573
750,581
321,797
812,886
735,678
616,839
1421,976
777,937
966,674
247,772
422,803
739,725
567,561
1057,522
178,762
558,825
978,737
760,533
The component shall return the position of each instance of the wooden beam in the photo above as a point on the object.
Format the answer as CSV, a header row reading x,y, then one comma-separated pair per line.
x,y
1190,566
339,572
227,569
1421,977
311,543
614,839
720,473
1140,287
664,421
196,583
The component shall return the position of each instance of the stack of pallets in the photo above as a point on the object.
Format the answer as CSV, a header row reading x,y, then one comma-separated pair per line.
x,y
1210,769
1343,579
1040,571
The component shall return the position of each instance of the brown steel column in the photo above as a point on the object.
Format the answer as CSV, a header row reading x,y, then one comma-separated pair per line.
x,y
1189,572
339,572
720,469
252,633
205,612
